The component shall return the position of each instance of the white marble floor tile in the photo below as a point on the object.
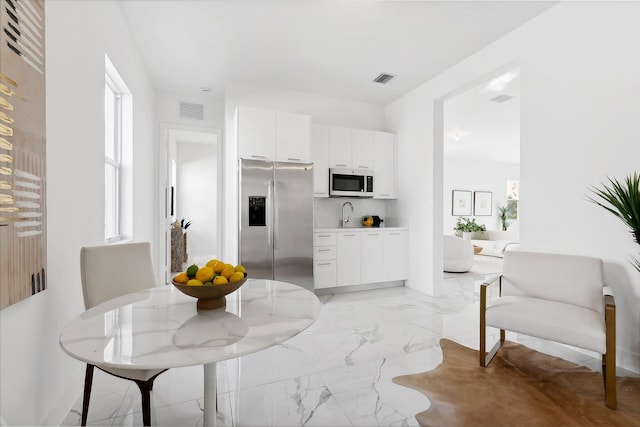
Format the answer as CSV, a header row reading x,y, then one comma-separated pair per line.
x,y
337,373
302,401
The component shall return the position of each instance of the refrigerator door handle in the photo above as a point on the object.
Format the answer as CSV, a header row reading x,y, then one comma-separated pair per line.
x,y
270,214
276,202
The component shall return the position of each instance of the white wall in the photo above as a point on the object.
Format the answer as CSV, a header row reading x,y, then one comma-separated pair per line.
x,y
39,381
323,109
579,109
472,175
197,196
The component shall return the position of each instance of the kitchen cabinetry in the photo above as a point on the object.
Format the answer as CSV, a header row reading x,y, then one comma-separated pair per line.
x,y
372,257
348,258
273,135
362,149
341,147
384,165
256,133
395,255
358,256
324,260
293,137
320,158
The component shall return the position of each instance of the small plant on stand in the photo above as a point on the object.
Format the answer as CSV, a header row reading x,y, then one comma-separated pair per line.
x,y
504,220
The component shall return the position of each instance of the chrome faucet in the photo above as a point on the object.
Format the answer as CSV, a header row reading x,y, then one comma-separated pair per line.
x,y
346,221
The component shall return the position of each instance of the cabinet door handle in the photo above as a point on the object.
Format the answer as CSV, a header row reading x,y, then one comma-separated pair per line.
x,y
292,159
338,164
363,167
324,263
324,235
373,234
324,250
259,157
385,195
349,235
395,234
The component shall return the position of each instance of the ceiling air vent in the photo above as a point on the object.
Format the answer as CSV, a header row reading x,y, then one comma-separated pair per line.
x,y
383,78
501,98
190,110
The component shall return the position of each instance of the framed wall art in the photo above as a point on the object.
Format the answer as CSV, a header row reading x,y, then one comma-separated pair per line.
x,y
482,203
461,203
23,211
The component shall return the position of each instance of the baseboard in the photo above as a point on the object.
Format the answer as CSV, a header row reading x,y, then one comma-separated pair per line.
x,y
628,360
356,288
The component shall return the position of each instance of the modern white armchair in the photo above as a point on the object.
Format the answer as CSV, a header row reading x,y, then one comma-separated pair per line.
x,y
555,297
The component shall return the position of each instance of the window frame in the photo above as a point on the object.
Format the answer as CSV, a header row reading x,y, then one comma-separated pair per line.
x,y
114,161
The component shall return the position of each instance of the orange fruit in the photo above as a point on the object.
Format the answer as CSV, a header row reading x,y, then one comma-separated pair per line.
x,y
204,274
181,278
220,280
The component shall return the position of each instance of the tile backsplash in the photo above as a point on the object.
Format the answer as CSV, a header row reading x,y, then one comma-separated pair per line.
x,y
328,211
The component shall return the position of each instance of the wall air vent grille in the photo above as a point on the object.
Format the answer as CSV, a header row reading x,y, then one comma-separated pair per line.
x,y
501,98
383,78
192,111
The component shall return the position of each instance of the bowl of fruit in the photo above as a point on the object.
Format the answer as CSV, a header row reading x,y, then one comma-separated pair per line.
x,y
210,283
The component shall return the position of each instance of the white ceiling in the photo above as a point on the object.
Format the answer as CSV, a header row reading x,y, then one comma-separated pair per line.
x,y
477,128
332,47
336,48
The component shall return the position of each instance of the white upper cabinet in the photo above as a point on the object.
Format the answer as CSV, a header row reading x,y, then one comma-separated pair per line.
x,y
273,135
293,137
256,133
362,149
384,165
320,159
339,147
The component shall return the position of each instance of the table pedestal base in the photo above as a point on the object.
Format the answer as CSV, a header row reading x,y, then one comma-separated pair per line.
x,y
210,394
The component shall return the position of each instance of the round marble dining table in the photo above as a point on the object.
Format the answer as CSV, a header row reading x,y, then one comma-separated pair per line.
x,y
161,328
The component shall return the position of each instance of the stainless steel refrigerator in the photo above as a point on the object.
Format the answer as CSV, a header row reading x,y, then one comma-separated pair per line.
x,y
276,220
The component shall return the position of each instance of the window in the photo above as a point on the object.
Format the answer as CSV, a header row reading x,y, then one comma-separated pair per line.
x,y
118,183
112,159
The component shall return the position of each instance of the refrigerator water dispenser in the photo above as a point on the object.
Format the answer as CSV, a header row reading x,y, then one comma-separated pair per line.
x,y
257,211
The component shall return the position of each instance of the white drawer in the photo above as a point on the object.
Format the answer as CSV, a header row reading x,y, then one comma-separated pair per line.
x,y
324,239
324,252
324,274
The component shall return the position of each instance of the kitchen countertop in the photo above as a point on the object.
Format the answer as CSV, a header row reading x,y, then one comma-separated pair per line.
x,y
334,229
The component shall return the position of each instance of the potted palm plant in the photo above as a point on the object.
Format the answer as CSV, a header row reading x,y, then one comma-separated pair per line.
x,y
623,200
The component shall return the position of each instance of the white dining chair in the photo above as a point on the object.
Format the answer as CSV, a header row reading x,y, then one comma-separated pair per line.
x,y
107,272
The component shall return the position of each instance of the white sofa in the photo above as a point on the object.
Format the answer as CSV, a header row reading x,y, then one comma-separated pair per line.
x,y
457,254
495,242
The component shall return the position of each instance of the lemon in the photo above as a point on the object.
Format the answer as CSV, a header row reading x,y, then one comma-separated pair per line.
x,y
191,271
220,280
194,282
212,262
240,268
227,272
204,274
219,267
181,278
236,277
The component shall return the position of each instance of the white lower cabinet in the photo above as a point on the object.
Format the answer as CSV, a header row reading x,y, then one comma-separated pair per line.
x,y
324,260
348,258
372,257
395,255
359,256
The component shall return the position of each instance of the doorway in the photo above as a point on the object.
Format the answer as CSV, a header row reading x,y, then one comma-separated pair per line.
x,y
190,167
481,158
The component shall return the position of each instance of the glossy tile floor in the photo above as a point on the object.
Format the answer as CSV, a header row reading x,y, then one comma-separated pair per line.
x,y
337,373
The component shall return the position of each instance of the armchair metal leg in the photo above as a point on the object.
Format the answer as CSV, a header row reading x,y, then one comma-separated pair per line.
x,y
609,358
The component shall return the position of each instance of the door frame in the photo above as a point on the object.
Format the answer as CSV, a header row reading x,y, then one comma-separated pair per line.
x,y
164,193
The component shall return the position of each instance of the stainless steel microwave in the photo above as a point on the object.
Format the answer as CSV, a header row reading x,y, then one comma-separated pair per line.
x,y
350,183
